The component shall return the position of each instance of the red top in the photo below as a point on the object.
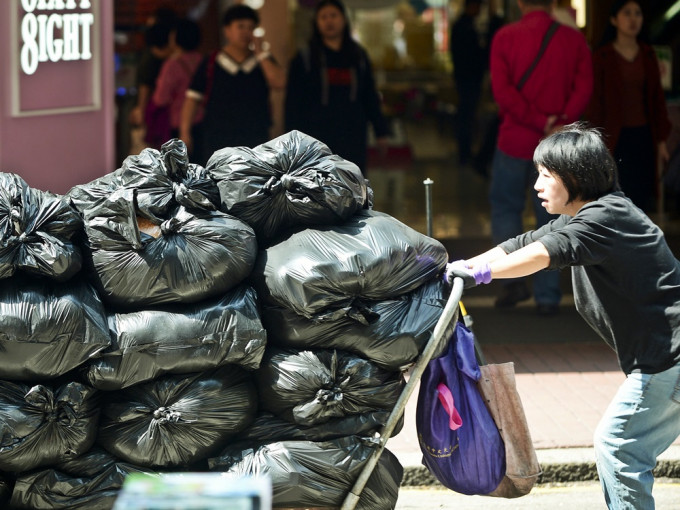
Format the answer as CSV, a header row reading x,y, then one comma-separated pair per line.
x,y
561,83
609,106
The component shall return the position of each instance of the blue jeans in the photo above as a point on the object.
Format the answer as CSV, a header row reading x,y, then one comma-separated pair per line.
x,y
640,423
509,182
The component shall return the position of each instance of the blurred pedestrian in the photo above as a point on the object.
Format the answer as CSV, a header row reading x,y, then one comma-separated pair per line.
x,y
177,72
628,102
626,287
541,78
232,87
331,93
470,55
157,48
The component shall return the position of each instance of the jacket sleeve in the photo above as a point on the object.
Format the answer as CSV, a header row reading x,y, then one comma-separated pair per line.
x,y
372,101
509,99
522,240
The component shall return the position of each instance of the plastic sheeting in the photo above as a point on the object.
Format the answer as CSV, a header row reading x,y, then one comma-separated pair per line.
x,y
390,333
89,482
293,180
196,255
310,474
312,387
177,420
181,339
36,228
40,425
371,256
48,328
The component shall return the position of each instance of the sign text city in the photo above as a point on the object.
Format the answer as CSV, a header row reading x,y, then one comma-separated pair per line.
x,y
49,32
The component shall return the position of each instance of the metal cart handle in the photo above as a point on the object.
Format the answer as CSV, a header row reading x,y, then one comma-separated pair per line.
x,y
443,327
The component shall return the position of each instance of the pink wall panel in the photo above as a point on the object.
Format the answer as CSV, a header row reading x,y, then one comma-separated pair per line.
x,y
53,150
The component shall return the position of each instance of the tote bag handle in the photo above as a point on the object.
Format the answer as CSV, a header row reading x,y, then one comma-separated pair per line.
x,y
446,399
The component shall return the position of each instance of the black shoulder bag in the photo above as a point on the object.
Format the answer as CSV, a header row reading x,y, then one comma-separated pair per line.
x,y
546,39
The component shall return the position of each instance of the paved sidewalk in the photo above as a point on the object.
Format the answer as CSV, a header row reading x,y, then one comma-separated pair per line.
x,y
565,376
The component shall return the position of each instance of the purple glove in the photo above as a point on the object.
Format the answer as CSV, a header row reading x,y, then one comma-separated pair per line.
x,y
482,273
471,276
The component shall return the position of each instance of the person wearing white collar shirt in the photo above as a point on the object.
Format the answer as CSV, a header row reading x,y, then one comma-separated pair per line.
x,y
232,88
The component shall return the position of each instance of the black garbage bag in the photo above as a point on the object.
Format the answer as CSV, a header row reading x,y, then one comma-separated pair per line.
x,y
6,487
89,482
162,180
40,425
292,180
269,428
189,257
311,387
371,256
48,328
180,339
36,231
390,333
178,420
317,474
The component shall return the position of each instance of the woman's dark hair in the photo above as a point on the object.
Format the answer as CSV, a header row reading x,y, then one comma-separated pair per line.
x,y
349,46
240,11
187,35
578,155
610,30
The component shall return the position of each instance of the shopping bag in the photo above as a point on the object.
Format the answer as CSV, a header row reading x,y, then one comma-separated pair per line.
x,y
458,437
497,385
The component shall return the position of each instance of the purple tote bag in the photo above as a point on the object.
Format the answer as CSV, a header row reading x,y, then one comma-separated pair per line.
x,y
458,437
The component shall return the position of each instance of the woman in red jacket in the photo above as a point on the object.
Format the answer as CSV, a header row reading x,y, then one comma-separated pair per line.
x,y
628,102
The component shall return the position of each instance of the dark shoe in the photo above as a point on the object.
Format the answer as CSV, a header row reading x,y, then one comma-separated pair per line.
x,y
547,310
512,294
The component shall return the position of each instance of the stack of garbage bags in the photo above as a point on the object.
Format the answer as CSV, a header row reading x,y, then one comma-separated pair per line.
x,y
252,317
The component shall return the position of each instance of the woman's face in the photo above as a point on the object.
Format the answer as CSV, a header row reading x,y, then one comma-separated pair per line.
x,y
552,192
628,21
330,22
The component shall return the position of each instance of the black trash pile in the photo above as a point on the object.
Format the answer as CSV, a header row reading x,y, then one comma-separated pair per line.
x,y
252,317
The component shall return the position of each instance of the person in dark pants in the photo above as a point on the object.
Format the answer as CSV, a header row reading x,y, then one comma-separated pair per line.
x,y
331,93
470,56
628,102
626,284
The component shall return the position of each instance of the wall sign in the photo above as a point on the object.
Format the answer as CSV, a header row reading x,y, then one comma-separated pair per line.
x,y
61,35
56,65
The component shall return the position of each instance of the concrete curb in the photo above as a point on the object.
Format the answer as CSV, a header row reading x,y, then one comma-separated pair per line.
x,y
558,465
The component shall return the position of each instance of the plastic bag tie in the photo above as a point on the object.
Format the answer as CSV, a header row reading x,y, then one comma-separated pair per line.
x,y
170,226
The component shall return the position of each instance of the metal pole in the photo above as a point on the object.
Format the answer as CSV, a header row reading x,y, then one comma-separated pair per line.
x,y
428,204
443,330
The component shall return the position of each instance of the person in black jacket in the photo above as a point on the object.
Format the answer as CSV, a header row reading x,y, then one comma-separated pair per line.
x,y
331,93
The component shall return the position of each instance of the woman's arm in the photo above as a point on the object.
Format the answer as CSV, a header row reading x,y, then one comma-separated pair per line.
x,y
523,262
